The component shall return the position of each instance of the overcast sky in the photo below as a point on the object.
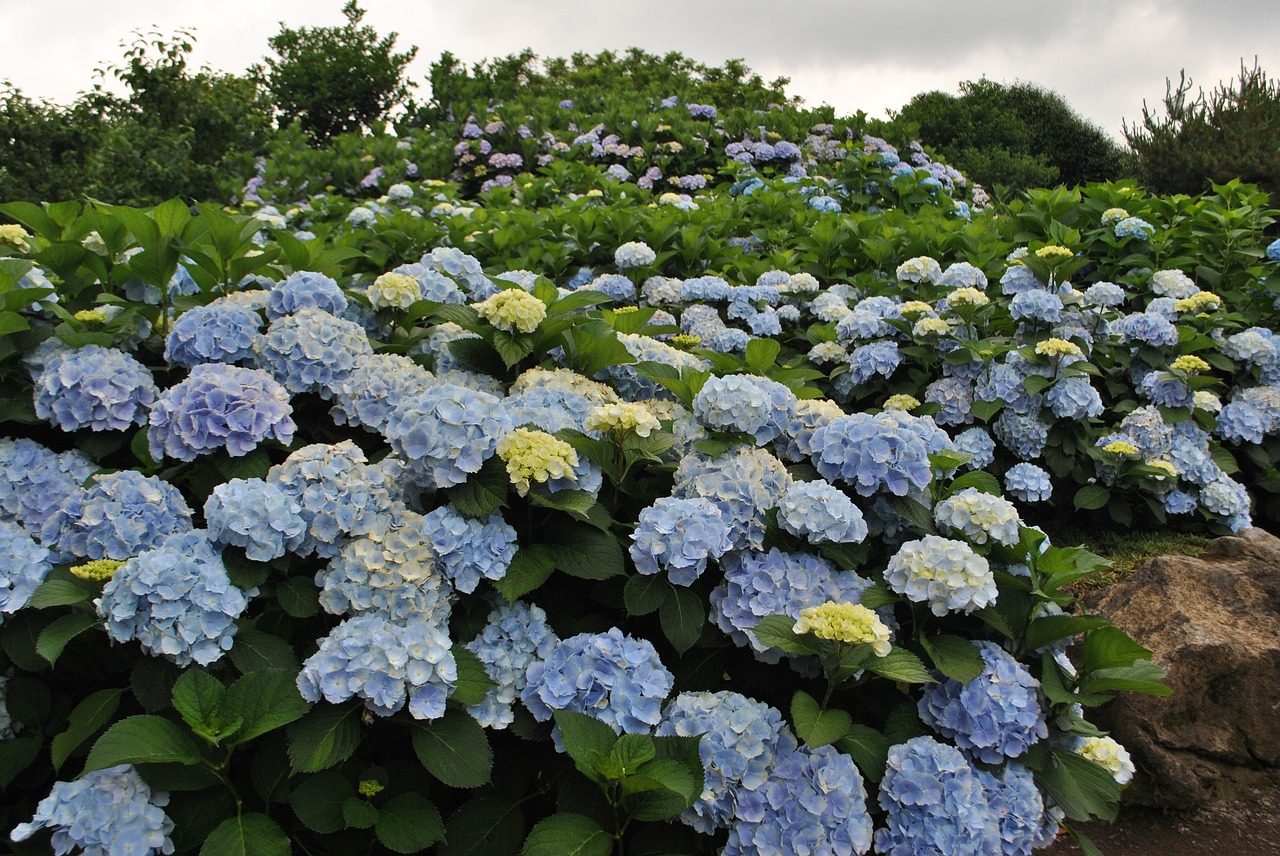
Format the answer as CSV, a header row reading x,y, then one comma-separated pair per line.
x,y
1104,56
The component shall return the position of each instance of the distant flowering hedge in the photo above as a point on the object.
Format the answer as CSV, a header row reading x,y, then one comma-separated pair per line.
x,y
390,536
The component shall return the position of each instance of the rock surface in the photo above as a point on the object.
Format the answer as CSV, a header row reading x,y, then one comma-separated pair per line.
x,y
1214,622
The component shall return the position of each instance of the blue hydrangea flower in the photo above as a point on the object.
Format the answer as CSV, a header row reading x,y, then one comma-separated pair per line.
x,y
1036,305
176,600
377,382
1240,422
23,566
744,483
1018,806
810,413
946,574
861,324
219,406
935,804
1134,227
389,570
874,358
954,396
514,637
549,408
1025,436
813,802
775,583
339,492
996,716
629,385
610,677
464,269
94,387
221,332
1004,382
1074,398
448,431
468,549
386,663
819,511
741,739
257,516
312,351
679,536
34,480
305,289
1179,502
103,813
1028,483
871,453
977,442
118,516
1147,328
1229,500
746,403
433,284
1273,251
1105,294
963,275
1019,279
979,517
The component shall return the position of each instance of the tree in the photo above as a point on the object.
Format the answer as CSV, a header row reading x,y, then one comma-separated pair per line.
x,y
1232,132
335,79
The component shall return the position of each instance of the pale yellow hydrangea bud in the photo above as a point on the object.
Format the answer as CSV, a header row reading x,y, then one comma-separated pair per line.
x,y
1107,753
930,326
1054,253
512,309
684,340
1199,302
1189,363
1207,401
15,236
1112,216
902,401
535,456
1120,447
91,316
99,570
1058,348
915,307
1169,470
624,417
370,787
394,291
967,297
845,622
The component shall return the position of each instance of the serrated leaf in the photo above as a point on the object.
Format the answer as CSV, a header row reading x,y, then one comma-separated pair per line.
x,y
565,834
454,749
54,592
644,593
17,754
632,750
585,552
775,631
1092,496
142,739
815,726
250,834
484,492
682,616
473,681
299,597
484,826
1078,786
358,814
408,823
662,789
264,700
900,665
317,801
87,717
1050,628
954,656
868,748
326,736
876,596
583,738
197,697
984,482
54,638
529,569
903,723
254,650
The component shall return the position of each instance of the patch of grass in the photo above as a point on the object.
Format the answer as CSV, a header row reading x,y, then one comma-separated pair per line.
x,y
1127,550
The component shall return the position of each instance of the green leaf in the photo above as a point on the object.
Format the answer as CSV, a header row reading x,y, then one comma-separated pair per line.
x,y
876,596
919,515
868,748
264,700
250,834
317,801
1081,788
762,355
87,717
244,572
529,569
484,492
583,739
775,631
1092,496
815,726
585,552
900,665
408,823
358,814
955,657
142,739
1109,647
632,750
484,826
17,754
661,790
54,638
512,347
903,723
984,482
576,503
1141,677
644,593
55,592
682,616
255,649
454,749
299,597
197,697
1050,628
326,736
1087,847
565,834
473,681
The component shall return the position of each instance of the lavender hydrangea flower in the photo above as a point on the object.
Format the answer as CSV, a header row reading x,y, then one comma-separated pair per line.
x,y
34,480
1028,483
1229,500
468,549
1148,328
978,443
118,516
447,432
339,492
259,517
386,663
1025,436
305,290
871,454
312,351
176,600
1036,305
221,332
1074,398
612,678
741,739
954,396
810,413
93,387
963,275
744,483
819,511
1016,802
996,716
23,566
219,406
935,804
514,637
679,536
104,812
746,403
377,382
